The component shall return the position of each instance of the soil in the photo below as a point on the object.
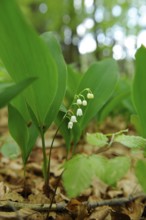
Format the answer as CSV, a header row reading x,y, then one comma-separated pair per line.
x,y
23,198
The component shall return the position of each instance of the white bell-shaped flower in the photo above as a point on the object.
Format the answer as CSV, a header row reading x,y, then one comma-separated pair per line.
x,y
90,95
70,125
84,102
79,101
79,112
73,119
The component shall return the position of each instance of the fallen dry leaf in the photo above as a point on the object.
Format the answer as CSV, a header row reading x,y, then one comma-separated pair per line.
x,y
4,189
101,213
134,210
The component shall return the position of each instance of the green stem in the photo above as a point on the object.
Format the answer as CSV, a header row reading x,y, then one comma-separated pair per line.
x,y
44,155
74,149
49,159
53,197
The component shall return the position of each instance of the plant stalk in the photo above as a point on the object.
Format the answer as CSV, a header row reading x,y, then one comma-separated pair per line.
x,y
49,159
44,155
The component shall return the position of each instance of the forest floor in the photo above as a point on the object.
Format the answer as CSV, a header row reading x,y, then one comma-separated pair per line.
x,y
24,199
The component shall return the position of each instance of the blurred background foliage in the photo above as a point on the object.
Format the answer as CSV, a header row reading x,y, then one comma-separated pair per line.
x,y
90,30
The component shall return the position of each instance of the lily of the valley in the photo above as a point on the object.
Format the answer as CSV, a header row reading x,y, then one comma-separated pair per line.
x,y
73,119
70,125
79,101
79,112
90,95
84,102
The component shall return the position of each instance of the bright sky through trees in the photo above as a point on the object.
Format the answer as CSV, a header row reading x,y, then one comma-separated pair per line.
x,y
129,43
117,29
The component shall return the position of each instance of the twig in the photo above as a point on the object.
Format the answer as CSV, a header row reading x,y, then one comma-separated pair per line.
x,y
62,206
116,201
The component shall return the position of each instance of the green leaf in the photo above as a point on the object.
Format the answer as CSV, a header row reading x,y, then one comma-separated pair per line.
x,y
67,135
25,55
55,50
135,120
110,171
33,117
98,164
140,173
131,141
97,139
24,134
101,78
73,80
17,126
9,92
139,87
77,175
113,103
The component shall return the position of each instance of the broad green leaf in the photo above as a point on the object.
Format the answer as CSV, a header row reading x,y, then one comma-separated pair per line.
x,y
131,141
115,169
9,92
112,104
66,133
136,122
98,164
24,134
101,78
33,134
73,80
25,55
77,175
97,139
110,171
34,118
55,50
17,127
139,87
116,102
140,173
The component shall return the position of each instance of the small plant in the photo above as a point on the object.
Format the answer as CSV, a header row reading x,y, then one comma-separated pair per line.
x,y
81,169
94,78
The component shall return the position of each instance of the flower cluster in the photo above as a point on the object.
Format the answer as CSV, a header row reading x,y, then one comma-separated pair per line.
x,y
79,101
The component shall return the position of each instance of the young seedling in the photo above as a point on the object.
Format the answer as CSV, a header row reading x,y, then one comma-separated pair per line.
x,y
80,169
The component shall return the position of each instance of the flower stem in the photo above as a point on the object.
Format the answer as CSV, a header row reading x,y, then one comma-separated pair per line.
x,y
49,159
44,155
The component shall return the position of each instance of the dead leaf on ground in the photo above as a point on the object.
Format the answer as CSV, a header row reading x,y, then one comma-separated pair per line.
x,y
4,189
134,210
77,209
101,213
19,214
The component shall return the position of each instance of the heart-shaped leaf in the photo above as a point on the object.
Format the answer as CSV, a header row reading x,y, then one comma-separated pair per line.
x,y
97,139
110,171
77,175
140,173
131,141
